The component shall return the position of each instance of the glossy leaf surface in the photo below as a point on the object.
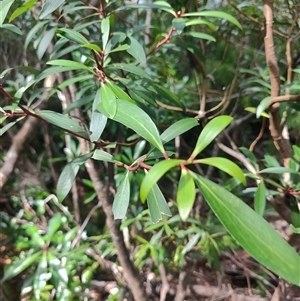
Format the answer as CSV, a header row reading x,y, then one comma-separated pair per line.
x,y
121,201
251,231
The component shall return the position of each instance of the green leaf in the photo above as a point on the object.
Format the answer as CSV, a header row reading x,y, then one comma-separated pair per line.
x,y
62,121
49,7
105,25
67,177
179,24
136,119
41,277
260,198
12,28
44,43
262,106
178,128
101,155
277,170
98,120
93,47
186,193
119,92
154,174
193,22
210,132
254,110
4,8
9,125
20,265
53,225
129,68
22,9
121,201
251,231
157,205
73,35
162,5
214,14
137,51
200,35
108,103
69,63
65,180
226,165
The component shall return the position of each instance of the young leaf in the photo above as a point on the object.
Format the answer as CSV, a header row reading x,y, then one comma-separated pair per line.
x,y
40,277
262,106
157,205
186,193
108,102
98,120
251,231
226,165
121,200
136,119
178,128
49,7
53,225
154,174
260,198
22,9
209,133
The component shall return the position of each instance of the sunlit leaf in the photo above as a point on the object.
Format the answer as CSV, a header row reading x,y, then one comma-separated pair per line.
x,y
178,128
105,26
262,106
226,165
4,8
98,120
158,207
251,231
22,9
53,225
121,201
214,14
20,265
210,132
186,193
108,103
49,7
154,174
260,198
136,119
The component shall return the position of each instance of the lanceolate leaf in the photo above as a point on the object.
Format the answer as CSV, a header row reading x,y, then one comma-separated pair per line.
x,y
215,14
251,231
178,128
260,198
19,266
4,8
105,31
137,51
73,35
103,156
62,121
68,63
157,205
98,120
136,119
49,7
67,177
226,165
108,102
12,28
210,132
154,174
121,200
185,194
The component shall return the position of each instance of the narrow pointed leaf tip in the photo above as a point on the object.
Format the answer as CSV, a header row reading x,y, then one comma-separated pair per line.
x,y
210,132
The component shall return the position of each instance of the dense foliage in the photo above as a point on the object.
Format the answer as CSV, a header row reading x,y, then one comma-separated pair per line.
x,y
140,138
